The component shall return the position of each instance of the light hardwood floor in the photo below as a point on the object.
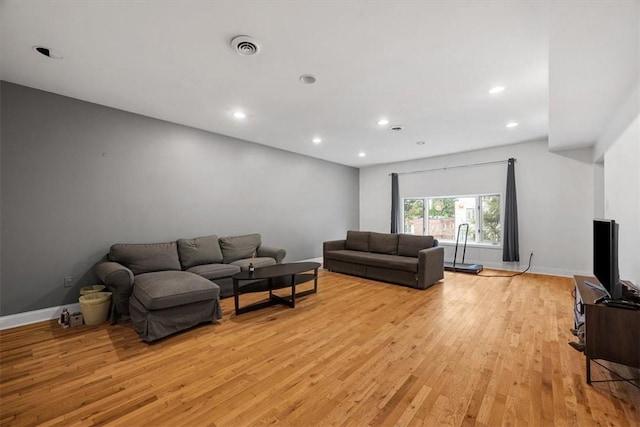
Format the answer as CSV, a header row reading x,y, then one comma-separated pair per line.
x,y
467,351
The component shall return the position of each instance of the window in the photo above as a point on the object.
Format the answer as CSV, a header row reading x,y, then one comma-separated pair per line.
x,y
441,216
414,216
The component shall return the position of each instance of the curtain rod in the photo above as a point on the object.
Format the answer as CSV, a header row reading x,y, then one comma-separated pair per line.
x,y
456,167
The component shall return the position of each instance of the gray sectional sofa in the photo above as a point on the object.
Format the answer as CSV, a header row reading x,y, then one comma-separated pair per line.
x,y
415,261
172,286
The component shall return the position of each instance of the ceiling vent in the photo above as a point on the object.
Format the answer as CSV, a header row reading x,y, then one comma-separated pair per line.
x,y
396,128
245,45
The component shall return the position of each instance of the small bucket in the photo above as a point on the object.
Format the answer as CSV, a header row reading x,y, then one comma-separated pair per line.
x,y
95,307
91,289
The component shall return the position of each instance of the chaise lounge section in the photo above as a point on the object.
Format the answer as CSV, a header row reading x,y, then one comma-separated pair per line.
x,y
172,286
415,261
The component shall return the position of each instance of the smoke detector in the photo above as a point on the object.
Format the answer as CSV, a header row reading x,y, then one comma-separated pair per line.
x,y
245,45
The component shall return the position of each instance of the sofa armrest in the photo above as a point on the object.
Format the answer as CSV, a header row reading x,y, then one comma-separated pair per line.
x,y
270,251
119,280
331,245
430,266
114,275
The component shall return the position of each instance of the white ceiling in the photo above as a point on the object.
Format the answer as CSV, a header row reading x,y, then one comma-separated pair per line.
x,y
426,65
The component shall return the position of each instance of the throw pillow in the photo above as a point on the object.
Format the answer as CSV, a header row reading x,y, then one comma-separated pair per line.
x,y
239,247
199,251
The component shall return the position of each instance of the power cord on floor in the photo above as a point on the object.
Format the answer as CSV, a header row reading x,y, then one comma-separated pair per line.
x,y
510,275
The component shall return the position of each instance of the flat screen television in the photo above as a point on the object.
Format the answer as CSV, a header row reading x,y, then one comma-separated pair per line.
x,y
605,256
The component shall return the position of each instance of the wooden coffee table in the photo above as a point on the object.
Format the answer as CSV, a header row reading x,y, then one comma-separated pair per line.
x,y
275,277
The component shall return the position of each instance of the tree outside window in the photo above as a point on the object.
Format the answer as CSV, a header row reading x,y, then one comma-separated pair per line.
x,y
491,232
414,216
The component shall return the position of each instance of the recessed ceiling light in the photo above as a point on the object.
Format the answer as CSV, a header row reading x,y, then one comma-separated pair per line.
x,y
48,52
496,89
308,79
316,140
383,122
420,142
362,154
512,124
239,115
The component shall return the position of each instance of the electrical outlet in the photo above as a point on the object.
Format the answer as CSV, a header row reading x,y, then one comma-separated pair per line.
x,y
68,281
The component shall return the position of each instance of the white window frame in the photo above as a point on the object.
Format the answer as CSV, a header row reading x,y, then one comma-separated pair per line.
x,y
478,197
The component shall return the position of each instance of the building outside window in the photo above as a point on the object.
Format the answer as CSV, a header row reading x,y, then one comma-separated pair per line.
x,y
441,216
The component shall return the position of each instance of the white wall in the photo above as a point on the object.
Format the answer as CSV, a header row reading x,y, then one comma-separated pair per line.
x,y
598,190
619,122
555,201
622,197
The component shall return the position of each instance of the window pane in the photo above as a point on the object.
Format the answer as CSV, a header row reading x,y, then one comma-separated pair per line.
x,y
466,214
491,232
446,214
414,216
442,218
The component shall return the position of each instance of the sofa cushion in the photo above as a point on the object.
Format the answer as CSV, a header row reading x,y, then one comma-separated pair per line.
x,y
257,262
214,271
146,258
383,243
239,247
357,241
394,262
199,251
410,245
165,289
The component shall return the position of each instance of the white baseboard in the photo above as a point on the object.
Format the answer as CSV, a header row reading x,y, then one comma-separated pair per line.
x,y
29,317
515,267
521,266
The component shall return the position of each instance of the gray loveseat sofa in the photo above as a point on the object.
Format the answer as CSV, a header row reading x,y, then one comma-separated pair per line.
x,y
415,261
172,286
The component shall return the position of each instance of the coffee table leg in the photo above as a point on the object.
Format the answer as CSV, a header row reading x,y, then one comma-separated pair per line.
x,y
236,295
293,291
315,280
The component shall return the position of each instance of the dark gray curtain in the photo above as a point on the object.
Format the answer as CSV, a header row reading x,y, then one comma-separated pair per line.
x,y
510,245
396,225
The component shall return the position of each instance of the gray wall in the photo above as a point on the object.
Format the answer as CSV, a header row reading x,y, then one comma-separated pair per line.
x,y
78,177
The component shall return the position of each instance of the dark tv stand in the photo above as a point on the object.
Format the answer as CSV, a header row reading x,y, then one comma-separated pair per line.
x,y
611,333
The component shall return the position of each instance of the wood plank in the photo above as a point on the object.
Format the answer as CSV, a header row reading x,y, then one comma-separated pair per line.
x,y
470,350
